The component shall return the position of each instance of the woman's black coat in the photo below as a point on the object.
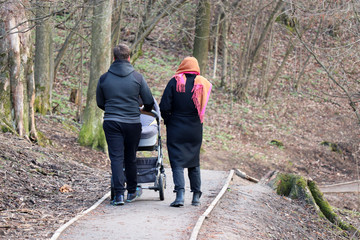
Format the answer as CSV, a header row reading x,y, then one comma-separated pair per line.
x,y
183,127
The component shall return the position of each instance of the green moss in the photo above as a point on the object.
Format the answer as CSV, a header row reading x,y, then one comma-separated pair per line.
x,y
37,104
26,119
297,187
40,106
42,140
298,190
5,101
5,129
293,186
277,143
326,208
287,21
71,127
92,135
333,146
284,184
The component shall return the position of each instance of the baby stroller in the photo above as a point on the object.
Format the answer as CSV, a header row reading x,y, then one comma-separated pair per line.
x,y
150,169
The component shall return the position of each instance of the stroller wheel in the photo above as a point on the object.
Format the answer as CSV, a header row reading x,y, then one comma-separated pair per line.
x,y
162,184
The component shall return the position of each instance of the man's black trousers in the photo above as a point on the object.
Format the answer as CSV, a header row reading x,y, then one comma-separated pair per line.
x,y
123,140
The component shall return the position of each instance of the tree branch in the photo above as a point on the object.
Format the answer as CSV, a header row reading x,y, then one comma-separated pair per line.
x,y
331,77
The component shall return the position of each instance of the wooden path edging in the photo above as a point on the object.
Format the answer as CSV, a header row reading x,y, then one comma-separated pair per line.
x,y
201,219
77,217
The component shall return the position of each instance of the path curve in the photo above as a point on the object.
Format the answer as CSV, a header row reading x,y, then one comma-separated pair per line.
x,y
347,187
148,217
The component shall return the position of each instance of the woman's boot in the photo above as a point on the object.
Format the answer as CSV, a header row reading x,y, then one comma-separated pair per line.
x,y
196,198
179,201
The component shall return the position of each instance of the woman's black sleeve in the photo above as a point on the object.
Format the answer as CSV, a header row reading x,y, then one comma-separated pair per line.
x,y
166,101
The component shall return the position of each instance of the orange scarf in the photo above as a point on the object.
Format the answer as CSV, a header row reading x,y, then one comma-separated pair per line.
x,y
202,87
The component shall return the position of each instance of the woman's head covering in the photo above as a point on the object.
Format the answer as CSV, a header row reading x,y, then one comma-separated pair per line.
x,y
202,87
189,64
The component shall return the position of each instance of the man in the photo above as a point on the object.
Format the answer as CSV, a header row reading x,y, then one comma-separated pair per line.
x,y
117,93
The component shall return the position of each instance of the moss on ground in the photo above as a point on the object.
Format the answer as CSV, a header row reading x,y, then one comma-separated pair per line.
x,y
297,187
326,208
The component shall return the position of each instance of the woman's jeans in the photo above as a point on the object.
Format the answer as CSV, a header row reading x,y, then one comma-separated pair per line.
x,y
194,177
123,140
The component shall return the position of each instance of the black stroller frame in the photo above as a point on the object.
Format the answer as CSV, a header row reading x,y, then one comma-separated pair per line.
x,y
150,169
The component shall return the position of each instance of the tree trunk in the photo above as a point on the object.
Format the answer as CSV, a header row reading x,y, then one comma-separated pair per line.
x,y
246,49
16,83
61,53
16,70
81,81
116,22
150,24
264,80
91,133
242,87
289,49
225,25
216,44
202,31
352,98
5,101
298,81
44,62
224,34
29,69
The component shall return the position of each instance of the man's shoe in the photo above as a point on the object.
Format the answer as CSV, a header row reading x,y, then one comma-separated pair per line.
x,y
132,196
118,200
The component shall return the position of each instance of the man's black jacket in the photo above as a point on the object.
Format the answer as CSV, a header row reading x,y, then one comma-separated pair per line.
x,y
118,92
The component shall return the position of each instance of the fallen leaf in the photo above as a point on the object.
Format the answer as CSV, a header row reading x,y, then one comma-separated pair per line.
x,y
66,188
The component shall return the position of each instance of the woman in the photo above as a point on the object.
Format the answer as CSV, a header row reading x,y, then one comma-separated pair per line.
x,y
182,107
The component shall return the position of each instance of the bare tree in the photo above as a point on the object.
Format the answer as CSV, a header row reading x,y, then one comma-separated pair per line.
x,y
338,59
117,19
16,71
44,61
72,32
242,86
271,83
150,19
201,41
224,22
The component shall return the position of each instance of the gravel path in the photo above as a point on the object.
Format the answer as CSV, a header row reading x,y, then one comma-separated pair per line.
x,y
148,217
347,187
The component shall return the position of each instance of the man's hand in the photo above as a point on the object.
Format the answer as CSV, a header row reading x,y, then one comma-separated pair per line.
x,y
142,111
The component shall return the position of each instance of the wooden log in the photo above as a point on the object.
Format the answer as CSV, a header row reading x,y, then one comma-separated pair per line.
x,y
245,176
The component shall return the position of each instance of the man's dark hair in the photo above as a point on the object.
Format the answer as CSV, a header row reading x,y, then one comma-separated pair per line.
x,y
121,52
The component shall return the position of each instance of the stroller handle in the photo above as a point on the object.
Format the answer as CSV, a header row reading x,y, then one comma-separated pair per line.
x,y
156,114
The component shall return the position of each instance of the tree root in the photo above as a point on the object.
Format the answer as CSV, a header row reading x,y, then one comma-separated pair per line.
x,y
298,187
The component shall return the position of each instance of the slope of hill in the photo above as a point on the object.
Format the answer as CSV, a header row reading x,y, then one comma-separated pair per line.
x,y
236,134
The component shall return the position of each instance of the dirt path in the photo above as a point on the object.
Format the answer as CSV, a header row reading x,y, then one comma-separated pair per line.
x,y
250,211
148,217
347,187
246,211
